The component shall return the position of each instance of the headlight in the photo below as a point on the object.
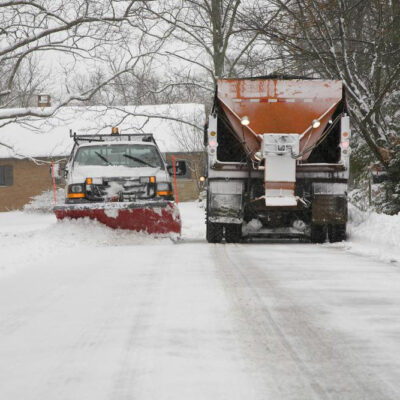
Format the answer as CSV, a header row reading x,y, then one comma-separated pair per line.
x,y
76,191
163,186
76,188
147,179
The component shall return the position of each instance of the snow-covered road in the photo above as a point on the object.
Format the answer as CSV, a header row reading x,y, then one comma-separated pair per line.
x,y
89,313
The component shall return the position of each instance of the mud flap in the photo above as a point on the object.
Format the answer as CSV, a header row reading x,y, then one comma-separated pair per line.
x,y
328,209
151,217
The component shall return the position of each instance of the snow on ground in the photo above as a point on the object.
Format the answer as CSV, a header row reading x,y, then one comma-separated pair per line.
x,y
102,314
44,202
31,236
91,313
369,233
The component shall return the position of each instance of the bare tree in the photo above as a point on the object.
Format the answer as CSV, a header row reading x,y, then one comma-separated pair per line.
x,y
29,80
80,31
207,42
103,46
355,41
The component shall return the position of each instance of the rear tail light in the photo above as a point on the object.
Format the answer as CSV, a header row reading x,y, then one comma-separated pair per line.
x,y
345,145
345,139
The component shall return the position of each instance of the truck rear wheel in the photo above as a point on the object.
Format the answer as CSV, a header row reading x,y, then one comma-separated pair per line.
x,y
214,232
337,233
233,233
318,233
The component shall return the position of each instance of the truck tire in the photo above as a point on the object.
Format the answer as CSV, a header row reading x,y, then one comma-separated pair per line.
x,y
337,233
318,233
214,232
233,233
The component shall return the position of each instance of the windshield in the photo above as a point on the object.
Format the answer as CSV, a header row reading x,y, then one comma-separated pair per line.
x,y
128,155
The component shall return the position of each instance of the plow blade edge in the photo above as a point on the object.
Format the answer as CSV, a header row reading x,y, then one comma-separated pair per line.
x,y
157,218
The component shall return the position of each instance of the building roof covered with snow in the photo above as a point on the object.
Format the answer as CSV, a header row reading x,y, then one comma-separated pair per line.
x,y
176,128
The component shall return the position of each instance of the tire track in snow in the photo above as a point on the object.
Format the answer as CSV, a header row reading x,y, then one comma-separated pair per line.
x,y
185,347
125,380
306,361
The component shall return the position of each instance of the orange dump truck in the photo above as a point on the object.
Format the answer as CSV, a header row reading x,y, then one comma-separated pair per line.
x,y
278,160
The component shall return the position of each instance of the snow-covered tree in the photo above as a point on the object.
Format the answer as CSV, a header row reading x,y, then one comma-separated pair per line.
x,y
355,41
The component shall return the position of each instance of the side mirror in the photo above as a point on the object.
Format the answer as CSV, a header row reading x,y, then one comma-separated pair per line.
x,y
180,168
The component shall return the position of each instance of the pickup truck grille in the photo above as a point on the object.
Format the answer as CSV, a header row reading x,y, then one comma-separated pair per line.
x,y
120,189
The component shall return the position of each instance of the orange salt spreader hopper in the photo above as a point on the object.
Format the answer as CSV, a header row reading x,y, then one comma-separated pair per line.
x,y
279,106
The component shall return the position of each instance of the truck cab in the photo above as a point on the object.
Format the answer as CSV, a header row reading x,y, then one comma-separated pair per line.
x,y
117,168
123,182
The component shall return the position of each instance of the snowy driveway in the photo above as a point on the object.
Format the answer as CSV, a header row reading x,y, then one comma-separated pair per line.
x,y
89,313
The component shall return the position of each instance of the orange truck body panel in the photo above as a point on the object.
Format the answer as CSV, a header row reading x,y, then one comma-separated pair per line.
x,y
279,106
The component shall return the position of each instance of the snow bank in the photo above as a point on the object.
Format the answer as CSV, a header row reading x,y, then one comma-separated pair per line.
x,y
373,234
375,228
193,221
31,238
44,202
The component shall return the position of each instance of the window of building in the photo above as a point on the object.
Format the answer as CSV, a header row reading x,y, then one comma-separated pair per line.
x,y
6,175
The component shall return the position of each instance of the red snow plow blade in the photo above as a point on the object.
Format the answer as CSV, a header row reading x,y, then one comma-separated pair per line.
x,y
151,217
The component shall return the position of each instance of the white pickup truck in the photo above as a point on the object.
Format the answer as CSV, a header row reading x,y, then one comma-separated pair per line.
x,y
122,181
